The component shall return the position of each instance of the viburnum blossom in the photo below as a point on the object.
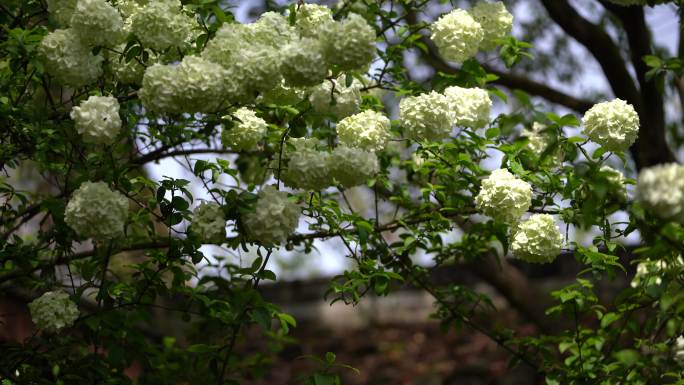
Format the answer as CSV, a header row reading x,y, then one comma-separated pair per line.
x,y
53,311
307,168
283,95
68,60
97,23
537,240
61,10
351,166
228,41
258,68
504,197
495,20
303,63
349,44
457,35
209,222
333,97
660,189
272,29
247,130
95,211
368,130
426,117
161,24
275,217
470,106
311,19
97,119
614,124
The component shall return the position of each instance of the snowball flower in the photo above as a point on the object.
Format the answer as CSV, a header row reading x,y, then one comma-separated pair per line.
x,y
248,129
53,311
537,240
283,95
209,222
272,29
274,219
307,169
228,41
426,117
68,60
352,166
457,35
303,64
311,18
614,125
62,10
97,119
333,97
495,20
258,67
470,106
97,212
504,197
162,24
661,190
97,22
350,44
616,181
368,130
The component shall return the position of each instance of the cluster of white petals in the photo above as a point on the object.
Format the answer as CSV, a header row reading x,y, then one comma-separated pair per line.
x,y
311,19
537,240
53,311
660,189
303,64
161,24
333,97
650,272
351,166
504,197
95,211
97,119
495,20
350,44
457,35
61,10
275,217
368,130
679,350
194,85
470,106
209,222
426,117
616,180
258,68
614,124
247,130
230,39
307,168
97,22
68,59
271,29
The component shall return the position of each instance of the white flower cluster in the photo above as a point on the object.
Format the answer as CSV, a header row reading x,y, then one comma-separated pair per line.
x,y
209,222
350,44
426,117
661,190
459,34
274,219
271,29
61,10
333,97
504,197
97,23
97,119
614,124
307,168
616,181
351,166
97,212
312,18
537,240
495,20
679,350
162,24
248,129
470,106
303,64
53,311
649,273
368,130
68,59
194,85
